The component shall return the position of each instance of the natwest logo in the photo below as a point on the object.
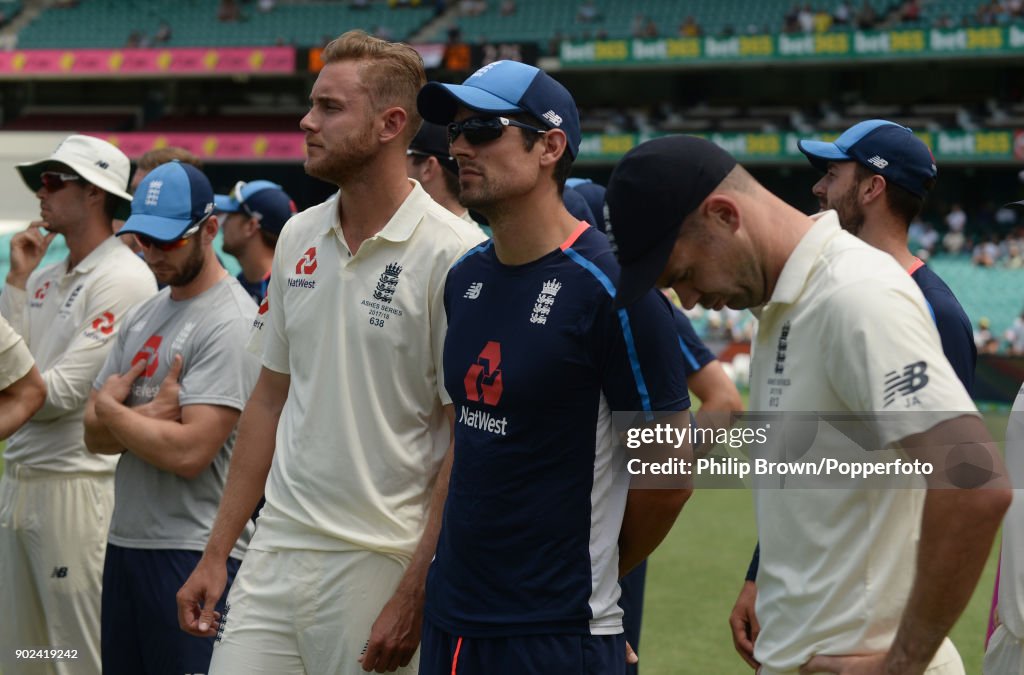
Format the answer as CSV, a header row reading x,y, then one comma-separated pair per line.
x,y
307,263
483,379
149,353
104,323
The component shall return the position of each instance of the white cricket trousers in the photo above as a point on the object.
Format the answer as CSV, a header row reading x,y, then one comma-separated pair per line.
x,y
946,661
1005,654
53,537
304,612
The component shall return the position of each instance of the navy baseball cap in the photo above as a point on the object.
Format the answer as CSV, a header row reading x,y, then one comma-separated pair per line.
x,y
652,190
505,88
889,149
170,199
432,139
267,202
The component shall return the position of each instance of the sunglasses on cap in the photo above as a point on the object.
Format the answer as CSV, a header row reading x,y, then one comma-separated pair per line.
x,y
148,242
236,194
479,130
55,180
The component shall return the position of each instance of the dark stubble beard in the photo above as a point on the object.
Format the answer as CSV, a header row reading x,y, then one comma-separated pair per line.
x,y
851,215
193,265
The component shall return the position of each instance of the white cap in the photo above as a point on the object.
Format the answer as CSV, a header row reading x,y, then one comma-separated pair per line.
x,y
95,160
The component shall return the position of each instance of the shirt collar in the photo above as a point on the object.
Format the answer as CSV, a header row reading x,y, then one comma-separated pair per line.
x,y
798,266
402,223
97,255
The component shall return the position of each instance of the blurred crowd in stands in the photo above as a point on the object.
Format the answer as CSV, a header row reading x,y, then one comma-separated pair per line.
x,y
992,236
1011,342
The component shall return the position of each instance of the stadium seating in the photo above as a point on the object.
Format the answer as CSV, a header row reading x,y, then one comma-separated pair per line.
x,y
539,20
110,23
995,292
10,9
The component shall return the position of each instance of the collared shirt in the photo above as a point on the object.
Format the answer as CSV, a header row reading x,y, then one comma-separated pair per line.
x,y
15,358
69,320
363,430
846,330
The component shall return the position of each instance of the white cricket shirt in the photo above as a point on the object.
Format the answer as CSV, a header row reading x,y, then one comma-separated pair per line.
x,y
846,330
363,431
69,320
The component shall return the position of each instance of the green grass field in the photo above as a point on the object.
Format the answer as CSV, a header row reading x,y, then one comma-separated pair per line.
x,y
694,577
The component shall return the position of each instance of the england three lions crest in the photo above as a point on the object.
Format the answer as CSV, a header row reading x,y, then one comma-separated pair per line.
x,y
545,301
387,283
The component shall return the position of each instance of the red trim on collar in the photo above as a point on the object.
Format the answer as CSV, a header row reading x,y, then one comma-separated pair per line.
x,y
915,266
574,236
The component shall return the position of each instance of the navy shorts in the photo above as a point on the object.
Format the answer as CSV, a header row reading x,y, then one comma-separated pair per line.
x,y
442,653
140,632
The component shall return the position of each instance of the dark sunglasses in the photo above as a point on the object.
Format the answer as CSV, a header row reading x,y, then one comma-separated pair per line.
x,y
479,130
148,242
55,180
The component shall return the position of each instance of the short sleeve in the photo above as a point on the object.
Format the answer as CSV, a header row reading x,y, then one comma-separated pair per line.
x,y
221,372
696,355
891,359
272,329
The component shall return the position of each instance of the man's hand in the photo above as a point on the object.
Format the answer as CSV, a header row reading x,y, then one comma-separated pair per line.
x,y
395,634
743,621
165,405
27,250
631,657
117,387
198,597
863,664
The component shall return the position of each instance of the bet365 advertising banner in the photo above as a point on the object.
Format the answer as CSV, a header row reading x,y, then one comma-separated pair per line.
x,y
907,43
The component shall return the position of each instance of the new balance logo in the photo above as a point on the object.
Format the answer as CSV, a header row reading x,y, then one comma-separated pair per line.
x,y
473,292
307,263
59,573
878,162
910,380
483,379
545,301
153,193
553,117
101,164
